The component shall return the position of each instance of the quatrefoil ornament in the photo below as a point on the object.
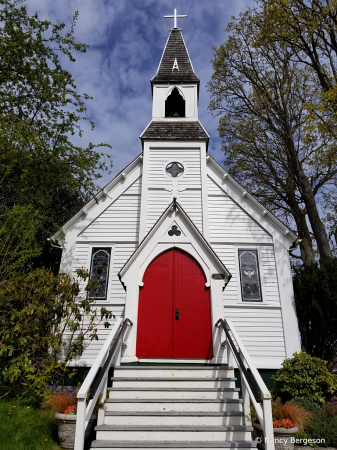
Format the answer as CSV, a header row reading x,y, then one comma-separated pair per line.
x,y
174,169
174,231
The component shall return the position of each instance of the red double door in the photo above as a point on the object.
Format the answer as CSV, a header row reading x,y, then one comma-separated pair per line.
x,y
174,314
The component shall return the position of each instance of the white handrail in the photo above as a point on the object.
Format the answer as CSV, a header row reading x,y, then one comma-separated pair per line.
x,y
265,413
84,411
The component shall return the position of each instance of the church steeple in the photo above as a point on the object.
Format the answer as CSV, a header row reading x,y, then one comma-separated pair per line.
x,y
175,89
175,65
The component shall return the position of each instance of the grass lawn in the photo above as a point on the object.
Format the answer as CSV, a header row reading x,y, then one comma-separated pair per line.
x,y
23,427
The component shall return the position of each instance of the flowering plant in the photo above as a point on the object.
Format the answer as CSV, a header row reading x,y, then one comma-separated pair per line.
x,y
70,410
59,399
289,412
284,423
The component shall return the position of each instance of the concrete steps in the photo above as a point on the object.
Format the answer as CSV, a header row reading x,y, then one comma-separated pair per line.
x,y
173,407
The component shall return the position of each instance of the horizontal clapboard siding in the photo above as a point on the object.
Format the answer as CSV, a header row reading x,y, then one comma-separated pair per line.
x,y
161,186
261,328
267,266
121,254
120,221
261,331
157,201
118,227
92,348
228,222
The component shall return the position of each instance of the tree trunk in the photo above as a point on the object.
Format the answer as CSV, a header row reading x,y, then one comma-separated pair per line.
x,y
316,223
307,252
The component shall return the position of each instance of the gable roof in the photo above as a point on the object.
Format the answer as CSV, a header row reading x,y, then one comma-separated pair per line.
x,y
175,130
253,207
175,52
109,190
176,206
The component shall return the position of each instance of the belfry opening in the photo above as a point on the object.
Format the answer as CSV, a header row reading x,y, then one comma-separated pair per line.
x,y
175,105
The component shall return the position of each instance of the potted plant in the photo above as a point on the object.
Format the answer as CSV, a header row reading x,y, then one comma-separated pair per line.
x,y
62,401
284,431
288,420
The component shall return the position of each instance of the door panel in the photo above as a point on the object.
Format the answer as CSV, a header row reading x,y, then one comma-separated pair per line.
x,y
192,337
174,280
154,329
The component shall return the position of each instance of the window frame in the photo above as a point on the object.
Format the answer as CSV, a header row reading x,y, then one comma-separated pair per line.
x,y
240,301
102,245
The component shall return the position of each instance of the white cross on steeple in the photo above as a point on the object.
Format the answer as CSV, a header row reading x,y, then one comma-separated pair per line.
x,y
175,16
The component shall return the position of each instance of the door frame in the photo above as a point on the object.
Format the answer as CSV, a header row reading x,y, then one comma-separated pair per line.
x,y
156,242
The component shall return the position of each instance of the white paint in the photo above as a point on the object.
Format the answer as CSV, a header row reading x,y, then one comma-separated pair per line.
x,y
155,243
290,326
189,92
174,17
265,413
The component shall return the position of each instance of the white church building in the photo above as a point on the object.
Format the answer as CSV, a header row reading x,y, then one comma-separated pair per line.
x,y
175,234
178,244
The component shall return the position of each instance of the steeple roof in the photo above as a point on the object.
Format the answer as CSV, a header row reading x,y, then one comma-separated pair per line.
x,y
175,65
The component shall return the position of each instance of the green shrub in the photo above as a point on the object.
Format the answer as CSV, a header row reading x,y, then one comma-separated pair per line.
x,y
44,323
304,438
307,404
305,376
323,426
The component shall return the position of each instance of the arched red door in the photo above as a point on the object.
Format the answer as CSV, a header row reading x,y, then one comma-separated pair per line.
x,y
174,313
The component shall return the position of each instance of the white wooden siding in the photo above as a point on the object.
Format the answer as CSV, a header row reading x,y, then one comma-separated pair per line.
x,y
227,254
260,324
160,186
230,223
261,331
116,227
120,220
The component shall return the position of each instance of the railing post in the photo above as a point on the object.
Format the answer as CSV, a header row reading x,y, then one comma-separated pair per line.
x,y
80,423
268,424
245,397
230,360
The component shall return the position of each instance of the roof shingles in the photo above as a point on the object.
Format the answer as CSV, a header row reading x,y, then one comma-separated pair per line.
x,y
175,130
175,49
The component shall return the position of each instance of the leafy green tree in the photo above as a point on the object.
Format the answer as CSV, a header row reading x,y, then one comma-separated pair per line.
x,y
261,96
40,112
45,322
309,28
315,289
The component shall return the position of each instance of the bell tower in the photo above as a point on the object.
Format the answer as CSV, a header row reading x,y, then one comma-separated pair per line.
x,y
175,86
174,143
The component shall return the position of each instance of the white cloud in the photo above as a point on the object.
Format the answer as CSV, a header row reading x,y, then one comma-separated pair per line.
x,y
126,41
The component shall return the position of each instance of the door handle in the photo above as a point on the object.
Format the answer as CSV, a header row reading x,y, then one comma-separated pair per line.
x,y
177,314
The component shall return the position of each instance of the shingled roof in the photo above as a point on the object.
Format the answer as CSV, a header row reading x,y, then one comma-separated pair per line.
x,y
175,130
175,49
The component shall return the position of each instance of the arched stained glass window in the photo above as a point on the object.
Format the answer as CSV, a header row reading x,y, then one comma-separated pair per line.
x,y
99,271
249,274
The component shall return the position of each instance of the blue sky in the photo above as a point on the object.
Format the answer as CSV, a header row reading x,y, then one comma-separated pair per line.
x,y
126,39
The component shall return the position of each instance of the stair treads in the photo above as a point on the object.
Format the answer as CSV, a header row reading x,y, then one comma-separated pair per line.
x,y
159,367
170,379
174,400
175,389
175,444
174,413
159,428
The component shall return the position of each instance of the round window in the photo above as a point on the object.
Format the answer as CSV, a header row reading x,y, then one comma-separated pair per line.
x,y
174,169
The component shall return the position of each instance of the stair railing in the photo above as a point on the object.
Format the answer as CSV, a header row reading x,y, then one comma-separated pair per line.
x,y
96,381
249,391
